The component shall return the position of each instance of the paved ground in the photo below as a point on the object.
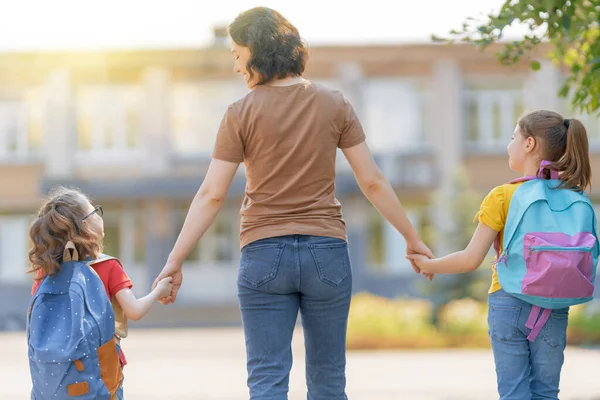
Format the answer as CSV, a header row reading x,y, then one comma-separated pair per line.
x,y
208,364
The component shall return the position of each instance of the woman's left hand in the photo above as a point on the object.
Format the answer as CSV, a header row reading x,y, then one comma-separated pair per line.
x,y
173,270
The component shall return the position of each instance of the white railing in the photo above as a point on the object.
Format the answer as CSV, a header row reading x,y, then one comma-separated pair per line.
x,y
20,130
109,124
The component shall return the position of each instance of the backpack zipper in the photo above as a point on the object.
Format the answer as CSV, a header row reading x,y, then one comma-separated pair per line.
x,y
559,248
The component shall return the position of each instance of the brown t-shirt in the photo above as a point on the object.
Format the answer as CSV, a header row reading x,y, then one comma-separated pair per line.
x,y
287,137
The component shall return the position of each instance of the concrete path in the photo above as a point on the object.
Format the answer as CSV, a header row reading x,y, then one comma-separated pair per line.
x,y
209,364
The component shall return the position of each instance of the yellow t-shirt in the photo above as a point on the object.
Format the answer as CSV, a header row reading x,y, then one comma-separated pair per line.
x,y
493,212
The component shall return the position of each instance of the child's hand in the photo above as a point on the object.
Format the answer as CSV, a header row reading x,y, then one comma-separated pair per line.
x,y
428,275
172,269
418,259
164,287
421,262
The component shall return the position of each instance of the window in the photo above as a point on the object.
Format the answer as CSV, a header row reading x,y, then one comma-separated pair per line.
x,y
14,244
12,129
492,106
139,237
34,100
220,242
21,122
219,245
196,112
386,246
124,234
392,112
112,236
108,120
492,116
179,218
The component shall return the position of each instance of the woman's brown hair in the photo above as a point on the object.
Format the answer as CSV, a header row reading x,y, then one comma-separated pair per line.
x,y
277,49
59,221
564,143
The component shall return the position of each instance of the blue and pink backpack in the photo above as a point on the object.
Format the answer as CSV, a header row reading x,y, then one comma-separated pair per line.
x,y
70,335
550,247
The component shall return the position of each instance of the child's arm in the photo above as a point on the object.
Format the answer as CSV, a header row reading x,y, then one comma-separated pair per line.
x,y
466,260
136,309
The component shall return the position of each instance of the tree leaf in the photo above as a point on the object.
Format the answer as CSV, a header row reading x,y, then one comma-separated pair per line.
x,y
571,27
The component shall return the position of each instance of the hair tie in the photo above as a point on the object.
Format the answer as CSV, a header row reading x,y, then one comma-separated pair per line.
x,y
566,123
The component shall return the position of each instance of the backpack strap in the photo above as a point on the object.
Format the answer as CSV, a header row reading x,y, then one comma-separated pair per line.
x,y
547,165
544,165
523,179
103,257
121,323
536,324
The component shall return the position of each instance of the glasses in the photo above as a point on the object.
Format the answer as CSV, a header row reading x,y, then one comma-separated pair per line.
x,y
98,210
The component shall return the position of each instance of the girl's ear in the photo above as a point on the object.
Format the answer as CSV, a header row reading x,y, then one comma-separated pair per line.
x,y
530,144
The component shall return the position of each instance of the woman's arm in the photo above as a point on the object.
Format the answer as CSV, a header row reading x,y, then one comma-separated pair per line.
x,y
204,208
466,260
380,193
207,203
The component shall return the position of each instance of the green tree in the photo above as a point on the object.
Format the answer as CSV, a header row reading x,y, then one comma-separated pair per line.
x,y
571,26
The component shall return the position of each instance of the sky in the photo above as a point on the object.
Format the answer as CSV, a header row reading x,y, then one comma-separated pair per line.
x,y
50,25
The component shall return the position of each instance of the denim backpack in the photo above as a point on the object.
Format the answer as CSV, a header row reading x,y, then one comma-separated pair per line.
x,y
550,247
70,335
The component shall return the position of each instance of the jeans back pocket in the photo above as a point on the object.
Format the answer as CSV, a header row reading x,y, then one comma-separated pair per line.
x,y
503,322
332,261
555,329
259,263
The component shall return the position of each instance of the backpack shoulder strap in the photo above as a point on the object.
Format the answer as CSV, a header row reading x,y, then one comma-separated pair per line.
x,y
544,166
522,198
121,324
102,258
522,179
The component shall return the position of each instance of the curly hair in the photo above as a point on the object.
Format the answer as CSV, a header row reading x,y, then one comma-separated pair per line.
x,y
277,49
59,221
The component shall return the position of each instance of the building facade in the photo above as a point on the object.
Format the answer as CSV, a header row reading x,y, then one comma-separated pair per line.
x,y
135,131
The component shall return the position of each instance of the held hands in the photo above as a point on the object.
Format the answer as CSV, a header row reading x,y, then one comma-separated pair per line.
x,y
164,287
171,270
418,253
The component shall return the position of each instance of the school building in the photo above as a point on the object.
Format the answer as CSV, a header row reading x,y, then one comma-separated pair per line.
x,y
134,130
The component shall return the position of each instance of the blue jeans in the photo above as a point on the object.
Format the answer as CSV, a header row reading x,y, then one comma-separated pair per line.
x,y
119,394
278,277
525,370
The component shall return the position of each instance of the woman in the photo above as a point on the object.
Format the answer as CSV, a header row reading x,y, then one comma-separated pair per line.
x,y
293,237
